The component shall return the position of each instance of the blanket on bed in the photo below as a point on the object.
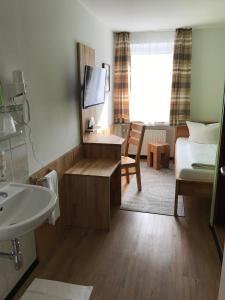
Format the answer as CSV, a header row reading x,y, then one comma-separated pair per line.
x,y
202,156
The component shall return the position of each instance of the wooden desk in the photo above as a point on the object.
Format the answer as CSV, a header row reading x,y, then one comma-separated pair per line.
x,y
93,182
110,139
103,146
94,167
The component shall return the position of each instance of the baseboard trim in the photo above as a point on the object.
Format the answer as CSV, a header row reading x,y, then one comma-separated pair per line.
x,y
22,280
219,250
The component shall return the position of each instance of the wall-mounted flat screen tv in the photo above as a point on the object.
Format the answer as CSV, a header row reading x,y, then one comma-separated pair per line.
x,y
94,86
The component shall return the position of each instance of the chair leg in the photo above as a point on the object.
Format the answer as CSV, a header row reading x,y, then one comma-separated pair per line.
x,y
127,176
138,177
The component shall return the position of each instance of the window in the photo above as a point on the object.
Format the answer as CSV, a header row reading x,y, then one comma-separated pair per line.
x,y
151,77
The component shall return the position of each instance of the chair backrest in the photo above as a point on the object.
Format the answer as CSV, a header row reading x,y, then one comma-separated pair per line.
x,y
135,137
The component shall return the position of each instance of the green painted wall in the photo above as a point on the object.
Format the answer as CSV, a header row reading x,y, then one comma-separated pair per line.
x,y
208,74
39,37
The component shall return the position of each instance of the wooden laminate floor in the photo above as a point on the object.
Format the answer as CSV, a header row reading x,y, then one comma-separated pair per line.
x,y
143,257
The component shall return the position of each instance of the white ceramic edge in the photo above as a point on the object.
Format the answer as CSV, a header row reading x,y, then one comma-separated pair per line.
x,y
13,231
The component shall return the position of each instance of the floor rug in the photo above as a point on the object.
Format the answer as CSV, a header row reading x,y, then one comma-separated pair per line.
x,y
41,289
157,195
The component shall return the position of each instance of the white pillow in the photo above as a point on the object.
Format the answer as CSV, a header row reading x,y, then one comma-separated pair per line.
x,y
203,134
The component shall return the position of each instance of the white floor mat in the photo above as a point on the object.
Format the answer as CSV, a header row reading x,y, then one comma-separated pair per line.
x,y
41,289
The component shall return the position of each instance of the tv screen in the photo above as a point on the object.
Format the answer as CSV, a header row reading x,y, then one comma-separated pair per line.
x,y
94,86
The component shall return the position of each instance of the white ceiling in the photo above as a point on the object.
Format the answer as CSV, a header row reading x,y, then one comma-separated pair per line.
x,y
141,15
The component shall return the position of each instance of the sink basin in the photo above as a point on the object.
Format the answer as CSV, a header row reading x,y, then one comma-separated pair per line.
x,y
23,207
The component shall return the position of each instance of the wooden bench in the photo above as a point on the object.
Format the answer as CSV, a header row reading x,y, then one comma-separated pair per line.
x,y
93,182
90,186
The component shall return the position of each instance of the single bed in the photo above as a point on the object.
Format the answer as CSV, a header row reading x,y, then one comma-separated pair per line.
x,y
190,181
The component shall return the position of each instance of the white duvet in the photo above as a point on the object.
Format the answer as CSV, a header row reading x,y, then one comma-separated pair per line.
x,y
202,155
195,162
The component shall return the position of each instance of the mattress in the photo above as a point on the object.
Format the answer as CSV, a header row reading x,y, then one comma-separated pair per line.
x,y
184,161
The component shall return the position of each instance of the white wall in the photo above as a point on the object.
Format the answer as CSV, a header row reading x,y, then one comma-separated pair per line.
x,y
208,73
39,37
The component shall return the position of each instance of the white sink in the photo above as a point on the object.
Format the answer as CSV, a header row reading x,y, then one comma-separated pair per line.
x,y
24,208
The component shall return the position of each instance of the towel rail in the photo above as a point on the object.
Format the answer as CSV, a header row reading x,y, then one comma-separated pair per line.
x,y
41,180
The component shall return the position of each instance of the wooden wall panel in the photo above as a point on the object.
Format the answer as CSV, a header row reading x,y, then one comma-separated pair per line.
x,y
86,56
47,236
103,151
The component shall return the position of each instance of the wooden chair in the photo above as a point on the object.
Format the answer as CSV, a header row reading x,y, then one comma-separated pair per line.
x,y
135,137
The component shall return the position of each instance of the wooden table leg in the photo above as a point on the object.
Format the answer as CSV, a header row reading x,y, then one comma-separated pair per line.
x,y
149,155
167,156
156,158
115,188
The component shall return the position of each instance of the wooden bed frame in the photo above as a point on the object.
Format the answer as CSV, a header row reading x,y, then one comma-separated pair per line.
x,y
187,187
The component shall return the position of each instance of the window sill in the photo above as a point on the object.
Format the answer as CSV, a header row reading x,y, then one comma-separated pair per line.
x,y
148,126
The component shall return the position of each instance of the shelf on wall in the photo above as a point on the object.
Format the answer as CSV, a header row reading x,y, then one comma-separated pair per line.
x,y
91,130
11,108
4,109
7,136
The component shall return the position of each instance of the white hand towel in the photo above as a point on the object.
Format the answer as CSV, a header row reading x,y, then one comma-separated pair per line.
x,y
51,182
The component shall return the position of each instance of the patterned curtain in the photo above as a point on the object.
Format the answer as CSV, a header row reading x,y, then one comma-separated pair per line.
x,y
181,84
122,68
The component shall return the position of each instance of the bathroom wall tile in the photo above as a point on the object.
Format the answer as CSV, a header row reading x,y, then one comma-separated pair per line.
x,y
17,140
16,158
4,145
9,165
20,164
17,170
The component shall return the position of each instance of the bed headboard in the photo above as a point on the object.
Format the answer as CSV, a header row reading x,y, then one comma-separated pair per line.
x,y
181,131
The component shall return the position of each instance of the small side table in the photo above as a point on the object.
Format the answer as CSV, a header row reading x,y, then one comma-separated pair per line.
x,y
158,155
